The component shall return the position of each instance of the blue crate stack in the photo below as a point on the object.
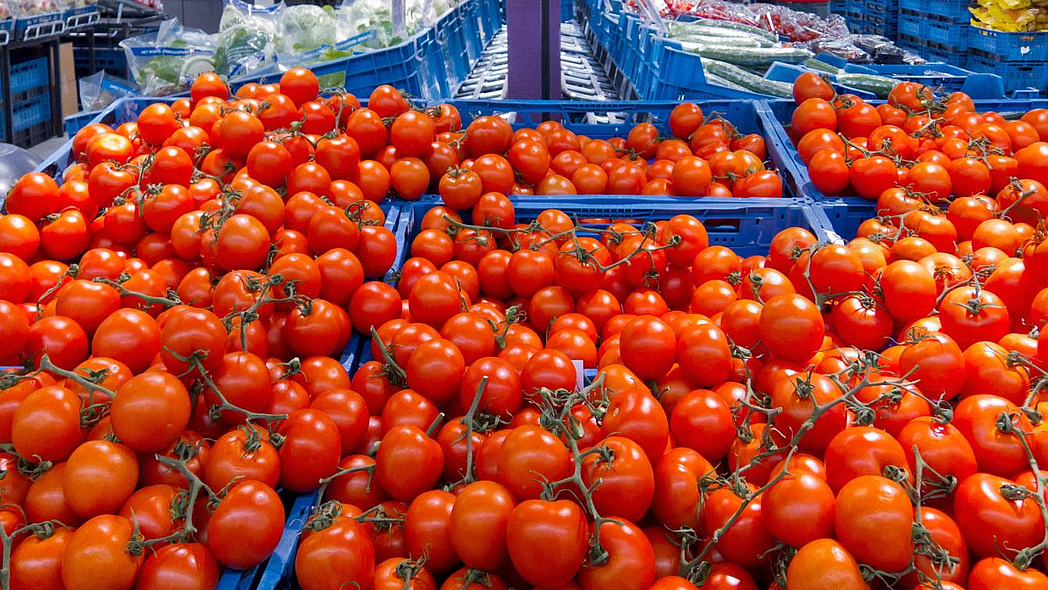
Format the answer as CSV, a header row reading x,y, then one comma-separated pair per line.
x,y
1019,58
853,14
30,103
937,31
110,59
880,17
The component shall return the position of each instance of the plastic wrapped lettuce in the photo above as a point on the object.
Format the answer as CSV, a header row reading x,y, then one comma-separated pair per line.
x,y
359,16
306,27
167,61
246,39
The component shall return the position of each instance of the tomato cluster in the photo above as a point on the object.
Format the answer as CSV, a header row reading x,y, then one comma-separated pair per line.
x,y
928,145
704,157
769,421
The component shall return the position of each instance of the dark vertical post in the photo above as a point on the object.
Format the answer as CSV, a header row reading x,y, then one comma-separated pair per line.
x,y
534,49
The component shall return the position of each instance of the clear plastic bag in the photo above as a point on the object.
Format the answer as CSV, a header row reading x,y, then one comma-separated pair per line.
x,y
246,39
359,16
168,60
306,27
100,89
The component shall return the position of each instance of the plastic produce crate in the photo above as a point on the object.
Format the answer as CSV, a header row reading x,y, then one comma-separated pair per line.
x,y
853,17
567,10
987,85
615,119
37,26
744,225
642,62
428,65
113,61
845,212
927,28
1024,47
949,10
29,78
881,17
1017,75
78,121
415,66
31,112
947,77
934,51
32,135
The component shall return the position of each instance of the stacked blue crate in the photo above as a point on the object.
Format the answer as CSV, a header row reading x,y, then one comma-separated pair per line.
x,y
881,17
1019,58
937,31
30,103
853,14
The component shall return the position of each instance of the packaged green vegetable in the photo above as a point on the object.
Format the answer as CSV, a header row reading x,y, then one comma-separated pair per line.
x,y
167,61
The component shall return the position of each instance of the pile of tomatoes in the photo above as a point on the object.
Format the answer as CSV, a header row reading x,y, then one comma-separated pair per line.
x,y
551,403
822,416
934,146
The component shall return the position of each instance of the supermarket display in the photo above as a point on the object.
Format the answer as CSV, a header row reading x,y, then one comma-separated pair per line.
x,y
315,302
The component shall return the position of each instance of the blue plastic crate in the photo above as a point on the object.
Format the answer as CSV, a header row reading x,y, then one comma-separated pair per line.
x,y
941,76
32,135
955,56
933,29
881,17
781,72
675,74
112,60
29,75
954,11
845,212
38,25
450,31
78,121
415,66
31,112
420,65
1025,47
746,226
577,115
567,10
853,18
1017,75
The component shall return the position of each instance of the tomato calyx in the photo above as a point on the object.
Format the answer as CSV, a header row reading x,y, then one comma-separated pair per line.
x,y
514,314
324,515
393,372
409,569
974,306
355,212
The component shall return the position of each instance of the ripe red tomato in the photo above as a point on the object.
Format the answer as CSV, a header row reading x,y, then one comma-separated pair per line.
x,y
246,527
